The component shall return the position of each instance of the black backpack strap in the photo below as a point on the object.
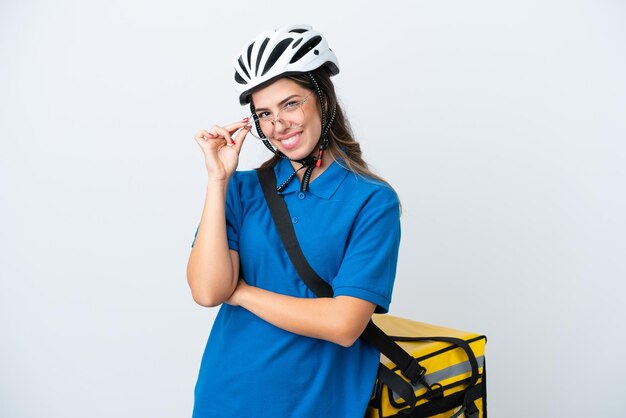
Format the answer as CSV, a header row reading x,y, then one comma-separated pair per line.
x,y
282,220
409,366
398,386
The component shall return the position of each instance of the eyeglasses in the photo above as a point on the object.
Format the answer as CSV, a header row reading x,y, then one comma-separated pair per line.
x,y
263,123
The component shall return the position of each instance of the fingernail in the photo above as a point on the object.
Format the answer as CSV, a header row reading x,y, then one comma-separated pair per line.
x,y
245,119
232,141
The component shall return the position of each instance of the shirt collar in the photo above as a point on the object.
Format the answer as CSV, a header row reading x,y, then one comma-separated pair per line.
x,y
324,186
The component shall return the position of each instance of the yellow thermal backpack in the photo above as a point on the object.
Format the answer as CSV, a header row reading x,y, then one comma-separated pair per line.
x,y
453,383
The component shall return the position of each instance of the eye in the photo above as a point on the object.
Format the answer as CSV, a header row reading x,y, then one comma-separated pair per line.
x,y
263,115
292,104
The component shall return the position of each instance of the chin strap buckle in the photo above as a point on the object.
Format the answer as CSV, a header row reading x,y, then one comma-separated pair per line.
x,y
318,163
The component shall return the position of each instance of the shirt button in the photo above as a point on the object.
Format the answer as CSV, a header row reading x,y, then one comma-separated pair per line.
x,y
294,219
301,195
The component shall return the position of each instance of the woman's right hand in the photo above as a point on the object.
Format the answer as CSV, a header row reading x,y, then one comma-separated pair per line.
x,y
221,149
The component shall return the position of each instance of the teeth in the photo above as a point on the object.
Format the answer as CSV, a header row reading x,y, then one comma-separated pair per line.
x,y
290,140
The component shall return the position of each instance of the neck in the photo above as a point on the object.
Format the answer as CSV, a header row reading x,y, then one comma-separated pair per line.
x,y
327,160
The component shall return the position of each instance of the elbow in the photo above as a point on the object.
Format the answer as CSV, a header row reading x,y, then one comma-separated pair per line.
x,y
208,290
350,320
206,295
206,299
209,296
346,334
347,341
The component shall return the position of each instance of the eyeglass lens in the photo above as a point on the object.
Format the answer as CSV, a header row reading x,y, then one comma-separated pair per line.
x,y
292,114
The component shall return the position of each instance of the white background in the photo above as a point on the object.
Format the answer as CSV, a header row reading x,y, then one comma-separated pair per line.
x,y
500,124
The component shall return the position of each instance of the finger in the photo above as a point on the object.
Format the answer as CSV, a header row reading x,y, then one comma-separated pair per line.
x,y
203,135
232,127
223,132
239,138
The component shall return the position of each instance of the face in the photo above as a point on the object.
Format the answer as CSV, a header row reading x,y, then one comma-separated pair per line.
x,y
296,141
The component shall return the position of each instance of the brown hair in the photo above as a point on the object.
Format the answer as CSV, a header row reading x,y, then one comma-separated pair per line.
x,y
341,142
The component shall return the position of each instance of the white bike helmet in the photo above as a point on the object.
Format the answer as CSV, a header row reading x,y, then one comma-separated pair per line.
x,y
287,50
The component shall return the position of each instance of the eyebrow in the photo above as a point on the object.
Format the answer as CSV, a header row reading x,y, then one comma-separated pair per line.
x,y
281,103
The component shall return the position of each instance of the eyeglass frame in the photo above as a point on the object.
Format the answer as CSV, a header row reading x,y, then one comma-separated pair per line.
x,y
256,119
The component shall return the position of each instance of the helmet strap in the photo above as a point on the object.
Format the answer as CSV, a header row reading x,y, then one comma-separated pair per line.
x,y
325,124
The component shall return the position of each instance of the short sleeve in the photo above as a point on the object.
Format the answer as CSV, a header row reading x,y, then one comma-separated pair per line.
x,y
368,268
233,215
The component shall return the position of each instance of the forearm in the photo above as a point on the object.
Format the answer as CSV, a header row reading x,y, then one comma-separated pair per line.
x,y
210,271
340,320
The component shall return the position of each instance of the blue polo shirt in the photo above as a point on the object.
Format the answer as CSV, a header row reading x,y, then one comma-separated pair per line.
x,y
349,230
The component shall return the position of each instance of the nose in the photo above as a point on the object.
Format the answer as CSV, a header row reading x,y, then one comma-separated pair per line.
x,y
282,121
285,125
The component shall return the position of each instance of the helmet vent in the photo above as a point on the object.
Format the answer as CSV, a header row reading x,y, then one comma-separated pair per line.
x,y
306,47
298,30
276,53
295,44
258,57
243,67
250,55
238,79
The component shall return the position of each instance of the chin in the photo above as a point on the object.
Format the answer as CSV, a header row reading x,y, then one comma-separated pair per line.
x,y
298,152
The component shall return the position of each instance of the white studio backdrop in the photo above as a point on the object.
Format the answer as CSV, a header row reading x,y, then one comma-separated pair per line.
x,y
500,124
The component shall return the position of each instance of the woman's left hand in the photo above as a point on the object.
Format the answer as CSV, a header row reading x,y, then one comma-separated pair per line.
x,y
235,298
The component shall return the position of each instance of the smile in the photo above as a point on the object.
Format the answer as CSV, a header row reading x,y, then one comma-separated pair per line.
x,y
290,139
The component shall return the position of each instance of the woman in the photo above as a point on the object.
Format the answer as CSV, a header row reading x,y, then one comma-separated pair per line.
x,y
275,350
